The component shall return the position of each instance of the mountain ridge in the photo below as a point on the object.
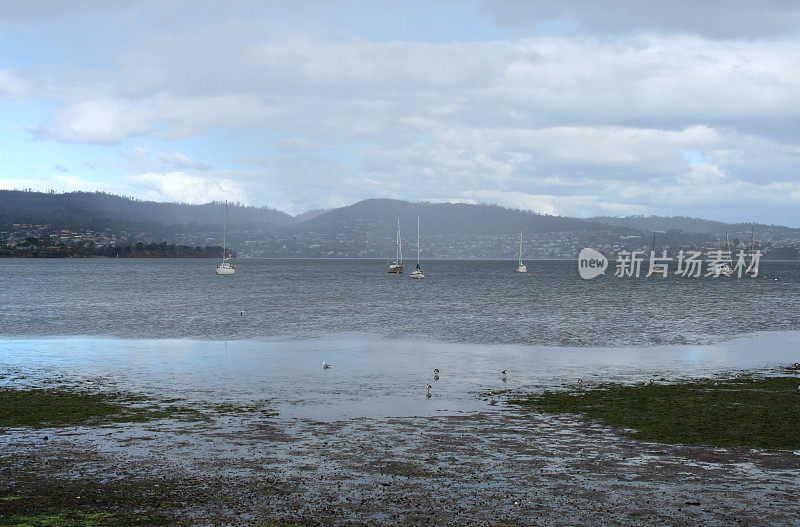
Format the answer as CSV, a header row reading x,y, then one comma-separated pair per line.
x,y
99,210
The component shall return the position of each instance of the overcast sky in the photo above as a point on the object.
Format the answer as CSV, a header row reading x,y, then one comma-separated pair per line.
x,y
559,107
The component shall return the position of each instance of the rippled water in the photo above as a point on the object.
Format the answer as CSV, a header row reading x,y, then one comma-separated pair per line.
x,y
172,328
481,302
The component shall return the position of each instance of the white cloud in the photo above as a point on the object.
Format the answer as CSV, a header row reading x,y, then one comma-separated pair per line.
x,y
102,122
181,161
187,188
56,182
11,85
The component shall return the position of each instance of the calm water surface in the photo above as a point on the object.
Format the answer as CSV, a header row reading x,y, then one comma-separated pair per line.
x,y
173,328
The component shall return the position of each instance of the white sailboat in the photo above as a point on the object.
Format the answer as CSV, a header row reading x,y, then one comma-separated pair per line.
x,y
417,272
753,268
396,267
225,267
521,266
657,269
724,268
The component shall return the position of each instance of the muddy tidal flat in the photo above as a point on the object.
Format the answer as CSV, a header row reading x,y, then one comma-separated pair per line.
x,y
501,466
126,432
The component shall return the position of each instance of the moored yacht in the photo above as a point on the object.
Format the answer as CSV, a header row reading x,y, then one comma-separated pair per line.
x,y
521,268
417,272
225,267
396,267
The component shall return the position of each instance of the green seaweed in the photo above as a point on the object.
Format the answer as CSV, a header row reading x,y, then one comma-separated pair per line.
x,y
84,519
740,412
48,407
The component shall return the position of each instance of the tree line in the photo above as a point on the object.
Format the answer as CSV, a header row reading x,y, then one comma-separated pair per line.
x,y
40,248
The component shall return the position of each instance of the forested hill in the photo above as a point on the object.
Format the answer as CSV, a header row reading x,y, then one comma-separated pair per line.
x,y
687,224
380,217
371,221
98,210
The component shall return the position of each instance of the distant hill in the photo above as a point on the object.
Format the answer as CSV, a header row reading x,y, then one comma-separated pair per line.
x,y
379,216
309,214
365,229
688,224
98,210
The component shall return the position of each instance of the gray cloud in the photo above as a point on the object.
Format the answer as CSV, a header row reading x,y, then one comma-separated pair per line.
x,y
712,18
595,119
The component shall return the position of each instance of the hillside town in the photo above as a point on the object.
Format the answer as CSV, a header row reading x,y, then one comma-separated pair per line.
x,y
358,243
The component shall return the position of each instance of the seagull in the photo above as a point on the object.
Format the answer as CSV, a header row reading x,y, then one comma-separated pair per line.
x,y
436,371
428,386
241,313
504,372
325,365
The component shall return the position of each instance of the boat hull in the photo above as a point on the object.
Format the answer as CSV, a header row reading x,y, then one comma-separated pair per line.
x,y
395,269
417,273
226,269
522,269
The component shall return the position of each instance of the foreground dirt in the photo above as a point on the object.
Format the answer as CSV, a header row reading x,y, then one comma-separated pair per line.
x,y
504,466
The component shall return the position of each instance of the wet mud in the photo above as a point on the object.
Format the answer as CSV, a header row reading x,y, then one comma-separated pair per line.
x,y
505,465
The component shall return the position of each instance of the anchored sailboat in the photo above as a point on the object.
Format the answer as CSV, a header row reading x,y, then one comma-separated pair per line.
x,y
521,267
753,268
724,268
656,269
417,272
225,266
396,267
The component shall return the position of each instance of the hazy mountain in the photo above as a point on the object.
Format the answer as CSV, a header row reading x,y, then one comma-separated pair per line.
x,y
379,216
309,215
364,229
98,210
687,224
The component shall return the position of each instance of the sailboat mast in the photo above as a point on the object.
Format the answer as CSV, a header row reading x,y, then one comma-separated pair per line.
x,y
752,239
397,242
520,247
225,230
418,239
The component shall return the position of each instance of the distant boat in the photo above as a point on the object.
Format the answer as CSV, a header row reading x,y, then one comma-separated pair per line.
x,y
521,267
417,272
724,268
396,267
657,269
225,266
753,269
